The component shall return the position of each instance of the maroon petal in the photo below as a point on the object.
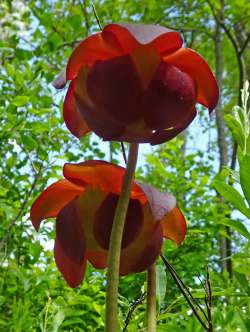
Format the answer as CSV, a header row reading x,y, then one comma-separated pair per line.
x,y
194,65
150,252
143,254
98,258
116,89
143,251
100,121
105,216
87,52
161,136
72,272
70,234
170,97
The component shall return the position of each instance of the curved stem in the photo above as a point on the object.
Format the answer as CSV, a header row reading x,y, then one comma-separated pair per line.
x,y
115,242
151,299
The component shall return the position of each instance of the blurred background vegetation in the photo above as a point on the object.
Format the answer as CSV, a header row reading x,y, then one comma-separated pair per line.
x,y
36,38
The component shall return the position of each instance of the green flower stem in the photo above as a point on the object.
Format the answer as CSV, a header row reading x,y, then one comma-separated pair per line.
x,y
151,299
111,319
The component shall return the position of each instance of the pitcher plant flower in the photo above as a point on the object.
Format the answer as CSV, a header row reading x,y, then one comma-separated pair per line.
x,y
135,83
84,203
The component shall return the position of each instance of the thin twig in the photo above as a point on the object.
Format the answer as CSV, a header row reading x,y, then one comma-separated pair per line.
x,y
188,291
209,302
184,293
245,44
96,15
124,153
131,310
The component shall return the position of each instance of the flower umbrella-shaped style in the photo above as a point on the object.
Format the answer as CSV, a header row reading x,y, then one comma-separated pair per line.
x,y
135,83
84,204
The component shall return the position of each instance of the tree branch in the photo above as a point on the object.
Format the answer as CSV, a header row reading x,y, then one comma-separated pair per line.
x,y
186,293
245,44
131,310
21,209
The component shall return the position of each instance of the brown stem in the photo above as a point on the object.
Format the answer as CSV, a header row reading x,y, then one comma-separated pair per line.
x,y
151,299
115,243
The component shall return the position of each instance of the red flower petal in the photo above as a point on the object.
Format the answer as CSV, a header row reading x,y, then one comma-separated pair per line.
x,y
119,35
87,205
70,233
168,43
72,272
161,136
146,60
174,226
115,88
170,97
98,119
148,253
98,258
104,218
193,64
87,52
96,173
129,36
142,252
52,200
73,120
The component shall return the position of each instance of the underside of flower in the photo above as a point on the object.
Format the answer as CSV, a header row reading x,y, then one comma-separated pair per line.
x,y
136,83
84,203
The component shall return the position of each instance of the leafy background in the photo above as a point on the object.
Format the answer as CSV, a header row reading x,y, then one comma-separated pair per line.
x,y
36,38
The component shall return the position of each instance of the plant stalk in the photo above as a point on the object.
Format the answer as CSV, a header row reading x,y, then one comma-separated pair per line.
x,y
111,321
151,299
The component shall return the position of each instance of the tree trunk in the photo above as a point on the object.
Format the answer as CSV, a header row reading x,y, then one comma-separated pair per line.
x,y
225,242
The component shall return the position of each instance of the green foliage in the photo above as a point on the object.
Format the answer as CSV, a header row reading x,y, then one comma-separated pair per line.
x,y
36,38
240,128
244,176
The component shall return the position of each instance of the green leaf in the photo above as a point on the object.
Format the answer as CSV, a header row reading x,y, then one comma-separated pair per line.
x,y
161,283
237,226
245,176
10,69
236,129
20,100
29,143
232,196
58,320
248,145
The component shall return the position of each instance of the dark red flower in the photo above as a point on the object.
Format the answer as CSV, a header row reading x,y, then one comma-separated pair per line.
x,y
84,203
135,83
